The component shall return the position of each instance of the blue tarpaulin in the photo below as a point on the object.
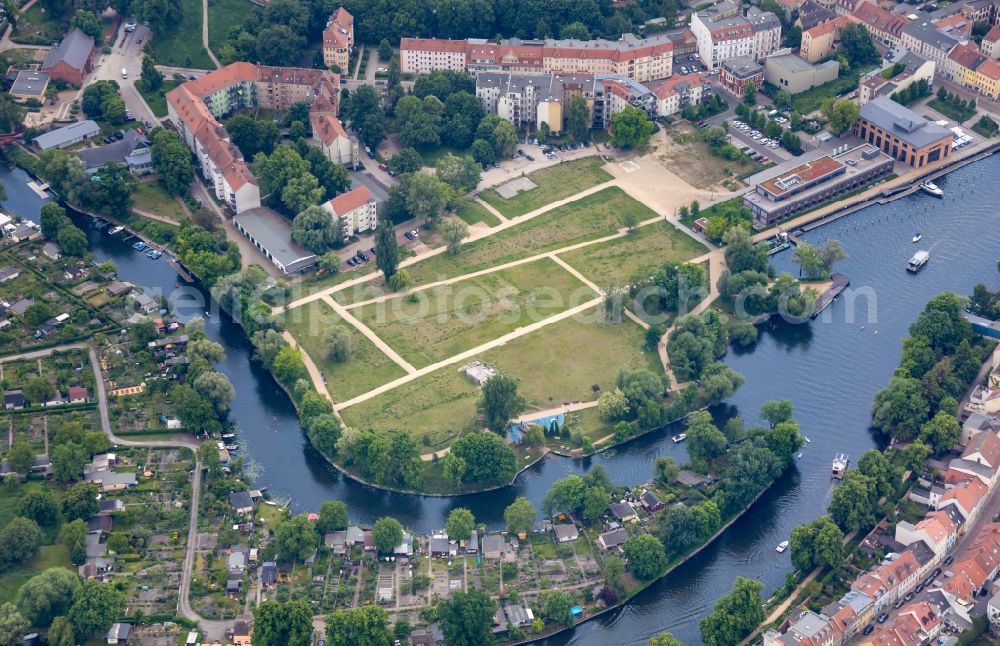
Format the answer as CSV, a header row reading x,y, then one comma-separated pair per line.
x,y
516,429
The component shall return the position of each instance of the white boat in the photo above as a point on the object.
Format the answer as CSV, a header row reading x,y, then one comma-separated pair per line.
x,y
799,456
917,237
840,463
680,437
782,546
918,261
932,188
115,230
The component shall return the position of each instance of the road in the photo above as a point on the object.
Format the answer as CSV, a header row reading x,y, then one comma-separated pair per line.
x,y
126,53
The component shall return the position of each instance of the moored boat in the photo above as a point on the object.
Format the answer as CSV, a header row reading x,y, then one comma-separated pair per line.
x,y
932,189
115,230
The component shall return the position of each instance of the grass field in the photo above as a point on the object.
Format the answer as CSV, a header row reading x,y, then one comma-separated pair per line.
x,y
48,556
152,197
157,99
443,321
182,46
616,262
585,219
36,26
557,364
553,183
955,113
473,213
223,15
368,366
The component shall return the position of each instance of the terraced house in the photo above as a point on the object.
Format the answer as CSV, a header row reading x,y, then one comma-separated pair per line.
x,y
723,33
195,108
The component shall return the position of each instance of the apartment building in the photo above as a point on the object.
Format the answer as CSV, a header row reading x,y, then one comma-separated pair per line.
x,y
923,37
890,581
641,59
916,623
916,68
991,43
196,106
969,67
354,211
823,41
902,133
338,40
676,93
884,27
736,73
723,33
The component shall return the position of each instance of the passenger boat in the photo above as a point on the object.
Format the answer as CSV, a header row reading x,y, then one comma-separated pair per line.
x,y
917,237
115,230
840,462
782,546
680,437
918,261
932,189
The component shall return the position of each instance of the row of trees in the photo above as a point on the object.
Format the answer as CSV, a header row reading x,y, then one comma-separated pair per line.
x,y
57,226
109,190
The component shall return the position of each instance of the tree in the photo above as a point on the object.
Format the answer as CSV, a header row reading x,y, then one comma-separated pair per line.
x,y
612,570
631,128
388,534
52,218
466,618
819,543
504,139
578,119
332,516
282,624
68,461
460,524
295,539
645,556
20,538
735,615
13,625
666,470
915,455
72,240
776,411
750,93
39,390
384,50
364,626
424,195
855,502
500,402
386,249
95,606
21,456
94,96
314,228
89,23
664,639
338,343
941,432
111,189
857,46
612,405
39,505
520,516
215,388
453,468
487,458
556,606
461,173
419,120
301,192
705,442
900,409
841,113
407,160
47,595
482,151
74,536
152,78
453,231
61,633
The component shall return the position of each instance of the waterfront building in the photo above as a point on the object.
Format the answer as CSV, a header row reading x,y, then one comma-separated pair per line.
x,y
338,40
67,135
794,75
902,133
723,33
813,183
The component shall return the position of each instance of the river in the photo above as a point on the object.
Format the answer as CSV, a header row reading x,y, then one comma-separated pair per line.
x,y
830,369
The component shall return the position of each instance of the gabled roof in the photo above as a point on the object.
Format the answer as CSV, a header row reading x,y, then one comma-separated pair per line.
x,y
879,19
74,50
347,202
984,448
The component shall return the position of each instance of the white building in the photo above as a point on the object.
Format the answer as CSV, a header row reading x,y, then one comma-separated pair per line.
x,y
676,93
354,210
723,33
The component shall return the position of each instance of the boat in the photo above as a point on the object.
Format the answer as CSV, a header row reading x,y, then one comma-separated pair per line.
x,y
918,261
232,447
799,456
154,254
840,463
916,237
782,546
932,189
808,440
139,246
228,436
115,230
680,437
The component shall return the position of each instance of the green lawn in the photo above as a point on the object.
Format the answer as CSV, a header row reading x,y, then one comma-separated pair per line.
x,y
152,197
473,213
437,323
223,15
553,183
956,114
157,99
616,262
368,366
48,556
36,26
557,364
182,46
591,217
806,102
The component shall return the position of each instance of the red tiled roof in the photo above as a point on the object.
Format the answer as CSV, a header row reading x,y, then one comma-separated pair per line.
x,y
807,172
986,446
836,24
347,202
969,57
433,45
993,35
967,495
990,69
668,86
879,19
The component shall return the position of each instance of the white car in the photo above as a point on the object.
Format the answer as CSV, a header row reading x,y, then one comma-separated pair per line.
x,y
129,27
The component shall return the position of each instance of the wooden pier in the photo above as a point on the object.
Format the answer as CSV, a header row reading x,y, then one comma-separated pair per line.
x,y
839,284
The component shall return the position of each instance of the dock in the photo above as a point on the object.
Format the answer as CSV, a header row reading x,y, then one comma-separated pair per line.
x,y
840,283
179,268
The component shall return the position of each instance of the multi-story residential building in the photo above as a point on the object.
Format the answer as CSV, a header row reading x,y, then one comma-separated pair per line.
x,y
884,27
813,14
333,140
916,68
938,530
967,497
902,133
676,93
955,25
976,567
723,33
736,73
354,211
823,41
338,40
641,59
889,582
991,43
196,106
916,623
523,99
923,37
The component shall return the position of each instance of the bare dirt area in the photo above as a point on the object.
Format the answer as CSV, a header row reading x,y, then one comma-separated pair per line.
x,y
680,150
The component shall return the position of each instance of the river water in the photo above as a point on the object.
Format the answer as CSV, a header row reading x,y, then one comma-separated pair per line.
x,y
830,369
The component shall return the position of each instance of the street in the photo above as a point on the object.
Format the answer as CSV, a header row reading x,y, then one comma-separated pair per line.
x,y
126,54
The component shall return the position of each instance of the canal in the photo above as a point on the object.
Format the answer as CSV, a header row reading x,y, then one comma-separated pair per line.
x,y
830,369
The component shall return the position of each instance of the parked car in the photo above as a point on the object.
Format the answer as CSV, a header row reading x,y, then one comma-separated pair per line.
x,y
352,262
529,158
383,167
882,617
869,629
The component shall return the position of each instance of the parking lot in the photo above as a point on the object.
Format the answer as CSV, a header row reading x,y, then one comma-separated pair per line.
x,y
764,147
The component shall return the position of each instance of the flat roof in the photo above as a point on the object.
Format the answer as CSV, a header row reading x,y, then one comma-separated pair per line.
x,y
30,83
274,234
742,67
802,174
